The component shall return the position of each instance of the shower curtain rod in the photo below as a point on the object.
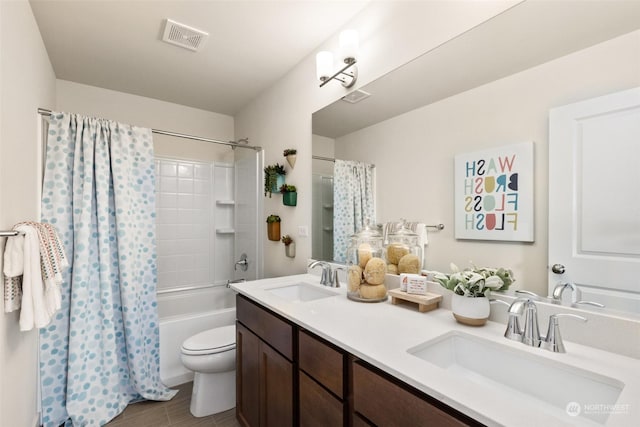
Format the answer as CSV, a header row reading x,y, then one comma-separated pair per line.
x,y
331,159
232,144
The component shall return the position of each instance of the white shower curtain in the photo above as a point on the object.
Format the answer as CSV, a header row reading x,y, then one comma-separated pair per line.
x,y
101,350
353,202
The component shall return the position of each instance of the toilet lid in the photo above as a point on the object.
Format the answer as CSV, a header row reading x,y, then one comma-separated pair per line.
x,y
211,341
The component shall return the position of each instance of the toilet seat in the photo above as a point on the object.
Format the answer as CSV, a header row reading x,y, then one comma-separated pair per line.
x,y
212,341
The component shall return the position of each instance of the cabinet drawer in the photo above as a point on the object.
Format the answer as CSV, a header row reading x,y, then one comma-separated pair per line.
x,y
385,403
276,332
322,362
318,407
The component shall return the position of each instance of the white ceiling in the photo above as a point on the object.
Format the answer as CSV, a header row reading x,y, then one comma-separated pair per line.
x,y
117,45
522,37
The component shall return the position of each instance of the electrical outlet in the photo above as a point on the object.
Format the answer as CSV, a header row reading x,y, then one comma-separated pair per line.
x,y
303,231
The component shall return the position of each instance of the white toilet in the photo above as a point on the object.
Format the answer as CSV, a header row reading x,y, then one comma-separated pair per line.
x,y
212,356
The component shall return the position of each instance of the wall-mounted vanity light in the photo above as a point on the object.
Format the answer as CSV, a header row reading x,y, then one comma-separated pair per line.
x,y
348,74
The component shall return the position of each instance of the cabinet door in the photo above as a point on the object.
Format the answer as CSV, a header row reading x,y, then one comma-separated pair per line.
x,y
276,388
322,362
318,407
386,403
247,377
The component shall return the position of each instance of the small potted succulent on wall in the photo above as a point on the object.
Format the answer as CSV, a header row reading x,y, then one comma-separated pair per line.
x,y
273,178
291,155
471,291
273,227
289,195
289,246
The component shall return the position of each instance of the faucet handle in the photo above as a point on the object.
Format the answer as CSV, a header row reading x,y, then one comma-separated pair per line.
x,y
593,303
531,294
553,340
498,301
336,280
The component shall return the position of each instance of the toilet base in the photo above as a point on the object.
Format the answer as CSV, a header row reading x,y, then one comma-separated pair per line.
x,y
213,393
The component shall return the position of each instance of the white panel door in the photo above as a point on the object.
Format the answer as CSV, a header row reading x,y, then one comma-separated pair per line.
x,y
594,197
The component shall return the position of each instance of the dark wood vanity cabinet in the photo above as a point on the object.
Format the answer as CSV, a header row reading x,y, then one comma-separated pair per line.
x,y
382,400
264,367
288,376
321,382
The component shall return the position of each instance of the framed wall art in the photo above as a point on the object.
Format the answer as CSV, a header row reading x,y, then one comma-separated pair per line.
x,y
494,194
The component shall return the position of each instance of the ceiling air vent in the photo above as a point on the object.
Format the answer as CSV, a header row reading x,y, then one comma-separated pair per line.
x,y
356,96
183,35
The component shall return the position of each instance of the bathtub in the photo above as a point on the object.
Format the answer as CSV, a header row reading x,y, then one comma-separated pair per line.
x,y
183,314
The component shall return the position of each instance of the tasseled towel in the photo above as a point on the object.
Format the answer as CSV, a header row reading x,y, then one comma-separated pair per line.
x,y
36,258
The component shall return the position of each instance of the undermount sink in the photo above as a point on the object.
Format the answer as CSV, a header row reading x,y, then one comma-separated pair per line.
x,y
557,387
301,292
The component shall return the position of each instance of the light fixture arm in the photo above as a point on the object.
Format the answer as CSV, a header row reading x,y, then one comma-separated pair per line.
x,y
350,77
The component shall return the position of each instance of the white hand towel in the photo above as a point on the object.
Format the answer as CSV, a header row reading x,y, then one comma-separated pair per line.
x,y
423,237
13,269
34,310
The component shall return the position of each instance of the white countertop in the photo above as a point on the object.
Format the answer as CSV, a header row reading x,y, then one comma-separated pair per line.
x,y
381,333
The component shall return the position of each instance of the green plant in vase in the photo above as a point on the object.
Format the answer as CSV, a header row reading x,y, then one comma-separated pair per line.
x,y
471,291
289,194
273,227
273,178
291,155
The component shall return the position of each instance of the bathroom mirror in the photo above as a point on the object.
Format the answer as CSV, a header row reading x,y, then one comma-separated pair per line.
x,y
519,40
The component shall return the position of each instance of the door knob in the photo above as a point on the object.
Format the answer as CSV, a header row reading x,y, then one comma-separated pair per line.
x,y
557,268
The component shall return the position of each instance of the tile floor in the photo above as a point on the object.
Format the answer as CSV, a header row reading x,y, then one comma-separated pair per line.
x,y
174,413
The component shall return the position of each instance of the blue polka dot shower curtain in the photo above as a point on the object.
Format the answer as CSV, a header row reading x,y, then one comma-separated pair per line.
x,y
353,206
101,351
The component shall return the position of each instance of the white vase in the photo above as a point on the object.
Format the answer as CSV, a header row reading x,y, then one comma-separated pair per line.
x,y
291,159
470,311
290,250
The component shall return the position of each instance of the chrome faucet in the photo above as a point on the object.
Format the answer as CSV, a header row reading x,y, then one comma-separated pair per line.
x,y
513,331
530,334
326,278
576,294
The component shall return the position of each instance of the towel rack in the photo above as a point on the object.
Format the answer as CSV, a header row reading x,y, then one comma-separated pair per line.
x,y
9,233
437,226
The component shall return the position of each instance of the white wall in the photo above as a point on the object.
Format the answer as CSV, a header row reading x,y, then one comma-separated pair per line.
x,y
391,33
510,110
27,82
141,111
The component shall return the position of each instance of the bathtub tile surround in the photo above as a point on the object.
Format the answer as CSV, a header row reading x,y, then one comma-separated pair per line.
x,y
188,214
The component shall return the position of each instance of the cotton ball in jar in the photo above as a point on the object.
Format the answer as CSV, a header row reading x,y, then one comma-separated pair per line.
x,y
374,271
364,254
409,264
395,251
354,276
373,291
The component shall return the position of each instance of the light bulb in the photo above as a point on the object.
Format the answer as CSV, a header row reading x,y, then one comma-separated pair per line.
x,y
324,65
348,45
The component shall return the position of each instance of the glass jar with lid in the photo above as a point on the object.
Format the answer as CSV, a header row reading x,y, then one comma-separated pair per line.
x,y
403,250
366,266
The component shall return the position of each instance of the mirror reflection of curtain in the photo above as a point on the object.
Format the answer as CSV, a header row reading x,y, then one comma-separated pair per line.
x,y
353,202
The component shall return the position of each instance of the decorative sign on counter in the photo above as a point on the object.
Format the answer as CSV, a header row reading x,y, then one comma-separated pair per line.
x,y
494,194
